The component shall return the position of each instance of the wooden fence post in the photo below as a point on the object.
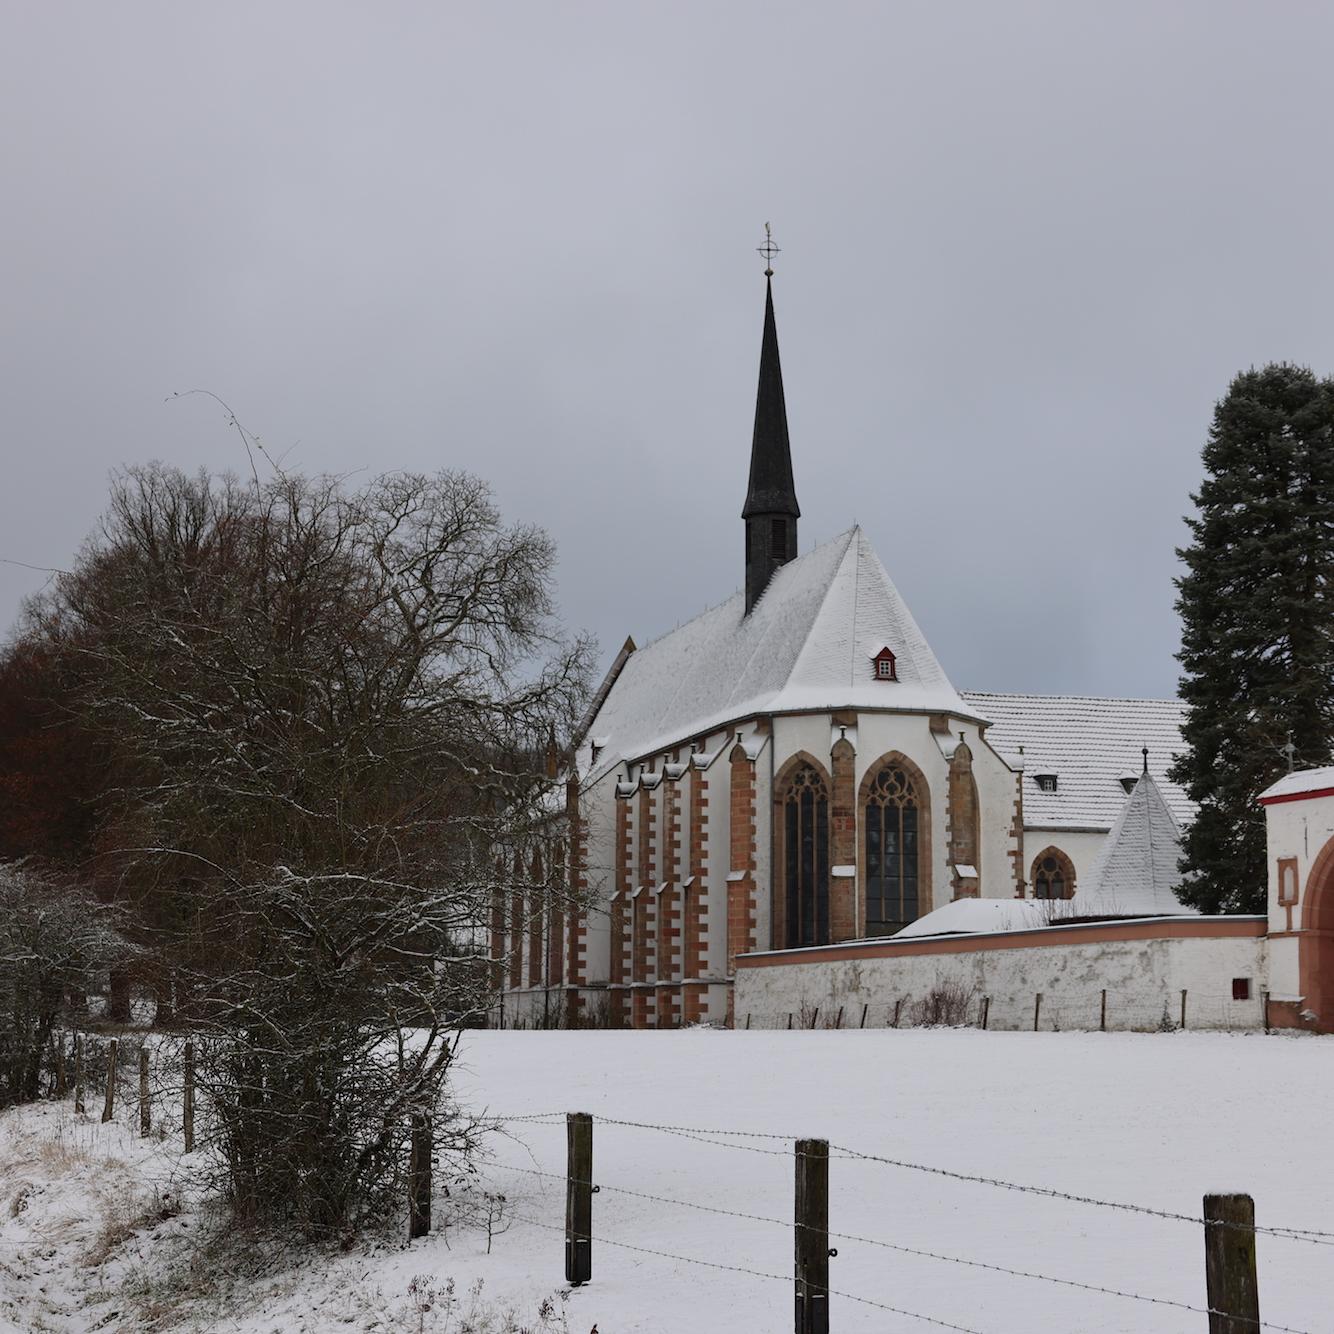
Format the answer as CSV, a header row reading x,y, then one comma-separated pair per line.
x,y
986,1011
838,1023
109,1107
1037,1010
812,1236
145,1101
1183,1007
789,1020
188,1098
1264,1003
78,1073
61,1088
1102,1017
579,1198
864,1010
815,1015
419,1176
1229,1264
897,1004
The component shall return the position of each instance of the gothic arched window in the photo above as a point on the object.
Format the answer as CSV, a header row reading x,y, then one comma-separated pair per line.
x,y
806,858
1053,875
892,846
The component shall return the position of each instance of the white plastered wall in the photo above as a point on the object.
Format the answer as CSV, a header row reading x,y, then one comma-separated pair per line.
x,y
1080,845
598,805
877,734
1297,829
1143,980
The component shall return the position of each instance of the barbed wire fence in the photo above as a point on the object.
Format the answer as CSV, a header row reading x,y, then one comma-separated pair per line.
x,y
149,1078
1228,1223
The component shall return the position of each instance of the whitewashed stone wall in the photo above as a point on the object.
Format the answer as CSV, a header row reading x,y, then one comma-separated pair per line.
x,y
1143,979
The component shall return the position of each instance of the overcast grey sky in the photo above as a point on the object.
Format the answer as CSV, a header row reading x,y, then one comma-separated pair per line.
x,y
1025,247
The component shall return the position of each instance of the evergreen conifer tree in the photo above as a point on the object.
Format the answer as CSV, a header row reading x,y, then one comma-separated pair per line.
x,y
1257,610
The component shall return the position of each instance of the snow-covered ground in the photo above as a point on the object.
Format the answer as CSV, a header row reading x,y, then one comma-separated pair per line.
x,y
90,1235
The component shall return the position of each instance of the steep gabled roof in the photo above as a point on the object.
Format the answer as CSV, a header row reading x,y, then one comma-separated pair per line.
x,y
1136,872
1090,744
808,643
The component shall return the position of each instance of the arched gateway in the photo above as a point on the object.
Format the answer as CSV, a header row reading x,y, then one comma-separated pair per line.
x,y
1315,951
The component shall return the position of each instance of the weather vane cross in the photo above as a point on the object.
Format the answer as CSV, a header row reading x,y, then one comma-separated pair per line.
x,y
768,250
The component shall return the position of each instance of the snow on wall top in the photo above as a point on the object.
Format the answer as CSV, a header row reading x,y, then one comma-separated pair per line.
x,y
1090,744
807,644
1135,873
967,916
1299,783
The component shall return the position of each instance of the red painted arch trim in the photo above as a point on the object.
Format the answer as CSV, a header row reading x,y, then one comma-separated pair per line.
x,y
1038,938
1297,796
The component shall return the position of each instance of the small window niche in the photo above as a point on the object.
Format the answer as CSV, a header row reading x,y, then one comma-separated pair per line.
x,y
778,539
1045,782
1241,988
1128,783
885,666
1287,881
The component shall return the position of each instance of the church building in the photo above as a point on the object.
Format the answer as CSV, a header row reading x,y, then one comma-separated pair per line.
x,y
793,770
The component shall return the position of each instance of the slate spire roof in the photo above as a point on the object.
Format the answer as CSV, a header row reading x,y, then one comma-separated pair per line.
x,y
771,490
1136,872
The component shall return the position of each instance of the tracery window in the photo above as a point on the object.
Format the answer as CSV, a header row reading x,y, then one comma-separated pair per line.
x,y
1053,875
892,870
806,859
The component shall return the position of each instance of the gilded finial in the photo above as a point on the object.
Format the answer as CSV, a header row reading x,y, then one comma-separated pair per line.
x,y
768,250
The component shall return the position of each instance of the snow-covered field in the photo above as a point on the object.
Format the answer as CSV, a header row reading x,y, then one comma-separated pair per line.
x,y
87,1240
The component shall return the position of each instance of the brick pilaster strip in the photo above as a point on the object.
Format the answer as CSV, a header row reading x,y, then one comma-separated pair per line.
x,y
843,899
741,882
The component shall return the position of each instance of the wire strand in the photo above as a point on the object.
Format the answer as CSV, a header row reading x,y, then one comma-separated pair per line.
x,y
911,1250
757,1273
1311,1236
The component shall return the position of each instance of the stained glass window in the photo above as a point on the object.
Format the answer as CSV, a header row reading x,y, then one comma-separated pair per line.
x,y
891,852
806,884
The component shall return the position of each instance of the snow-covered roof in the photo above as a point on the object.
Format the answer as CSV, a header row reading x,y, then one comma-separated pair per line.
x,y
1089,744
1300,784
808,643
969,916
1136,870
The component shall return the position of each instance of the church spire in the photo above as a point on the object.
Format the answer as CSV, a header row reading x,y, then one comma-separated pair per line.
x,y
771,510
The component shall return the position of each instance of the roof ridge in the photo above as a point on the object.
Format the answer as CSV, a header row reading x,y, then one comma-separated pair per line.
x,y
913,646
738,593
856,606
1099,699
814,620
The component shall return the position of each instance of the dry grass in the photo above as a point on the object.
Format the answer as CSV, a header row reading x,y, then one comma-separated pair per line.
x,y
124,1219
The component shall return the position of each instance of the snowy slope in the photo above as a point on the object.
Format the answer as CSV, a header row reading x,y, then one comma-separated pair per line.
x,y
1155,1120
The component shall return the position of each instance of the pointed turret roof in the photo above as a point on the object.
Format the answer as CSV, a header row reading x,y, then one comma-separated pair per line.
x,y
1136,872
771,490
808,644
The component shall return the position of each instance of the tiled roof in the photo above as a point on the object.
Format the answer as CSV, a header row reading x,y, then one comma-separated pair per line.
x,y
1136,872
808,643
1089,744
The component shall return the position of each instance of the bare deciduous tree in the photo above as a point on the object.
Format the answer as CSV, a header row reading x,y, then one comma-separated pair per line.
x,y
53,936
327,711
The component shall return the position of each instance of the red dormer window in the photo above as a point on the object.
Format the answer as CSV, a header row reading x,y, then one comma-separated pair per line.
x,y
885,666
